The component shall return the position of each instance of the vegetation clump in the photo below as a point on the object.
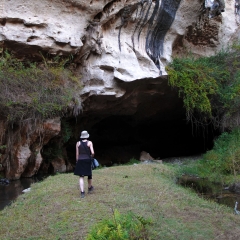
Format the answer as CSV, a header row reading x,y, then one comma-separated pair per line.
x,y
56,146
122,227
209,86
224,158
31,90
220,164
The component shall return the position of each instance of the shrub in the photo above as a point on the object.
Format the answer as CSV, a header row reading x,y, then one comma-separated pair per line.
x,y
221,164
209,86
121,227
195,83
2,148
56,146
36,90
66,130
52,151
224,158
133,161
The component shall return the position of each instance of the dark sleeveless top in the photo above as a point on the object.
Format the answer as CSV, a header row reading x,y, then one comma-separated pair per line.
x,y
83,166
84,151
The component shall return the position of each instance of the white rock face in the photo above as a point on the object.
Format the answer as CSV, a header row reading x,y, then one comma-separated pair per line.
x,y
23,154
120,46
48,24
62,27
194,29
25,143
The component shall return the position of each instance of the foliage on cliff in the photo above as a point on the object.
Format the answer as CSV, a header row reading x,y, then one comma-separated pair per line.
x,y
36,90
209,86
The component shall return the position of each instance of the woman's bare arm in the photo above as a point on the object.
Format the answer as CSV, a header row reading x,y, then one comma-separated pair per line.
x,y
77,153
90,145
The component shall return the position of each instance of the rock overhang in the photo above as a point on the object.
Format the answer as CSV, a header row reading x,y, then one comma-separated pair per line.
x,y
122,63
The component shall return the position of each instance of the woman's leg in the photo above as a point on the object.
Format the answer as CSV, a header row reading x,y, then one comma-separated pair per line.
x,y
81,183
89,183
90,187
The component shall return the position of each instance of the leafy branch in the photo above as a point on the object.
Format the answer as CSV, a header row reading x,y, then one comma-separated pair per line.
x,y
209,86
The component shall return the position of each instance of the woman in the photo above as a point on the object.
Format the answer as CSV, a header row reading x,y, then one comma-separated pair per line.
x,y
84,152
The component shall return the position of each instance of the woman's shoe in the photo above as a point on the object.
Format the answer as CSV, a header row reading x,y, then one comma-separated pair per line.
x,y
82,194
90,189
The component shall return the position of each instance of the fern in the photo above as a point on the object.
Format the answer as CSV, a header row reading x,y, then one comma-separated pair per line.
x,y
120,227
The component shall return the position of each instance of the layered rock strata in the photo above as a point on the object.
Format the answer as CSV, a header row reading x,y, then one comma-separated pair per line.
x,y
114,43
21,155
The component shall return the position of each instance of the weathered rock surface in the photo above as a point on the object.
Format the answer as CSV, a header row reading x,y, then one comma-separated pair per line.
x,y
235,187
145,156
22,156
118,39
121,48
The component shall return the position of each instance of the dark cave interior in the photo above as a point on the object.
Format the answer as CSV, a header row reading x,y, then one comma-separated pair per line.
x,y
118,139
149,117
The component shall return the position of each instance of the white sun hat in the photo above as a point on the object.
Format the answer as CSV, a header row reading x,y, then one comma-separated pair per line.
x,y
84,134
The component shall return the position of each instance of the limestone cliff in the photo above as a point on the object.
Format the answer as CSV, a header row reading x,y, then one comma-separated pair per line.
x,y
121,48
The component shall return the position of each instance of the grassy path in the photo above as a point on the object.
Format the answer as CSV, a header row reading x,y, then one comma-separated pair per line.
x,y
53,208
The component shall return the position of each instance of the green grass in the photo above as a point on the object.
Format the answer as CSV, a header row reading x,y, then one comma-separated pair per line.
x,y
198,168
53,208
221,164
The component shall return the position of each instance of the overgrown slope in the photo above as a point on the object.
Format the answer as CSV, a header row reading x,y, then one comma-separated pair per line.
x,y
37,90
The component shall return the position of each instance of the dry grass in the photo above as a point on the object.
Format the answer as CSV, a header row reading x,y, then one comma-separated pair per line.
x,y
53,209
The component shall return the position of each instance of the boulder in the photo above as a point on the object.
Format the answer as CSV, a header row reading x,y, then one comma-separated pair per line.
x,y
235,187
58,165
144,156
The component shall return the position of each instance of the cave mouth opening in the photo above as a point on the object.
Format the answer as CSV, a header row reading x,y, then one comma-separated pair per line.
x,y
118,139
149,116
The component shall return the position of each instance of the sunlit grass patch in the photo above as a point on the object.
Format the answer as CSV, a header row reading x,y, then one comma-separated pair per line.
x,y
55,209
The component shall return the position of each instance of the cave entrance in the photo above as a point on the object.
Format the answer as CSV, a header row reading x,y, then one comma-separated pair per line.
x,y
148,117
118,139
